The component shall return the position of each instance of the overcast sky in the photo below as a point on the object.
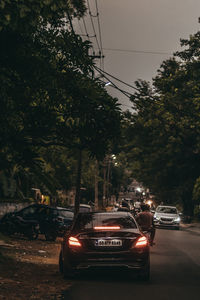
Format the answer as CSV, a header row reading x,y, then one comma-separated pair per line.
x,y
143,25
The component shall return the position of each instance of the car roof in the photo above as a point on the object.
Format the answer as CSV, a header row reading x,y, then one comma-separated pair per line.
x,y
83,205
61,208
166,206
117,213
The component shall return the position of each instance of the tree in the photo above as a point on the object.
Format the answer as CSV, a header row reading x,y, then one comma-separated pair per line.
x,y
164,135
48,94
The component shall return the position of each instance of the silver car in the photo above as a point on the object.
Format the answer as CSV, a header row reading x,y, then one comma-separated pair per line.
x,y
167,216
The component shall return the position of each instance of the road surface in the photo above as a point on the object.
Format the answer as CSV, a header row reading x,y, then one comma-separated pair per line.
x,y
175,274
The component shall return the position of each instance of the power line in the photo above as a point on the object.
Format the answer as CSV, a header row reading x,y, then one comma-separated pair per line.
x,y
137,51
103,74
99,28
98,42
129,85
91,18
127,94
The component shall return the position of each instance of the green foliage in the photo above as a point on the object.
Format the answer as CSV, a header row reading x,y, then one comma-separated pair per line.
x,y
163,133
196,191
48,97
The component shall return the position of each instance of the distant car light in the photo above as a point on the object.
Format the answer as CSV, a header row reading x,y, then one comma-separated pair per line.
x,y
178,219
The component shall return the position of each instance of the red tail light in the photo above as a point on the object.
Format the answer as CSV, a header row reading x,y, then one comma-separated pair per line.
x,y
141,242
74,242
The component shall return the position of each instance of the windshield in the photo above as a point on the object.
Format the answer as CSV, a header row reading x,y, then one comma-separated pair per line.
x,y
167,210
82,208
66,214
90,220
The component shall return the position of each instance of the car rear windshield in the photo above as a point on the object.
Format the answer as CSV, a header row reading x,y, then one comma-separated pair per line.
x,y
82,208
167,210
66,214
90,220
60,212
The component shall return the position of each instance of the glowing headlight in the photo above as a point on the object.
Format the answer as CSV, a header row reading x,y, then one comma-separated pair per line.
x,y
156,218
177,219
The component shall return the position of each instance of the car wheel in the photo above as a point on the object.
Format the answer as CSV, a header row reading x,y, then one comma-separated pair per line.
x,y
144,274
50,236
60,263
67,271
33,235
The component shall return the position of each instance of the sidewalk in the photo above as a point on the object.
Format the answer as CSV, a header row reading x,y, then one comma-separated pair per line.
x,y
192,227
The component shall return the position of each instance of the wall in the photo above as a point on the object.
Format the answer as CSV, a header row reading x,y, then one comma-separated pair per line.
x,y
10,207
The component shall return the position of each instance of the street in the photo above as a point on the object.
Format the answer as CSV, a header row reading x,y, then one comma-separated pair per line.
x,y
175,272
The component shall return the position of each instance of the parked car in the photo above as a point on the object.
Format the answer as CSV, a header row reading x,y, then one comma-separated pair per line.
x,y
82,208
104,240
167,216
52,221
12,224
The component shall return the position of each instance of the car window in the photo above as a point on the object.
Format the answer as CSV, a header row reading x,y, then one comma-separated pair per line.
x,y
28,211
66,214
89,221
53,212
167,210
84,209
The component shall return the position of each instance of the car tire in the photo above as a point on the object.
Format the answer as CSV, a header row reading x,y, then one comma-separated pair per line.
x,y
51,237
60,263
33,234
67,271
144,274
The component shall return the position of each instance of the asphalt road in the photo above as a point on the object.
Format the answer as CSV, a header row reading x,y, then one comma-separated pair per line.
x,y
175,274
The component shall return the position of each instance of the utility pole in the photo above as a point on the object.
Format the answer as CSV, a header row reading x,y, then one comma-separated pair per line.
x,y
96,186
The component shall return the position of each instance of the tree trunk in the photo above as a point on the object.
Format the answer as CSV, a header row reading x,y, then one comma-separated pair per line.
x,y
96,186
104,183
78,186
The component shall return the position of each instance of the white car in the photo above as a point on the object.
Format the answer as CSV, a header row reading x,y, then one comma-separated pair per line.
x,y
167,216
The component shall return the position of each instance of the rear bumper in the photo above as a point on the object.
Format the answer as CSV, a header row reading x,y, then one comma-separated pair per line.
x,y
93,260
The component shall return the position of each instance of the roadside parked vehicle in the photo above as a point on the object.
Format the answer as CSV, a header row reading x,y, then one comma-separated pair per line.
x,y
82,208
55,221
13,223
52,221
167,216
105,240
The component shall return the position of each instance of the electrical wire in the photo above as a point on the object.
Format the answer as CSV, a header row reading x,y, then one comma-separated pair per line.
x,y
129,85
103,74
91,18
98,42
127,94
138,51
100,37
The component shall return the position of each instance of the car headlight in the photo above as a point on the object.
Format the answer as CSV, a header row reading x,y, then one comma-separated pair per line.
x,y
156,218
177,219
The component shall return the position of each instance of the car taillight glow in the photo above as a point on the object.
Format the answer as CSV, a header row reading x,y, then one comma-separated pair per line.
x,y
141,242
107,227
74,242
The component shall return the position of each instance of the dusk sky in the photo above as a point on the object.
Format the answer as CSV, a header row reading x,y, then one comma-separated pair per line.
x,y
143,26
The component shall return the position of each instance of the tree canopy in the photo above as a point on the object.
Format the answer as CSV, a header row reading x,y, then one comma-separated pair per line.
x,y
48,94
163,132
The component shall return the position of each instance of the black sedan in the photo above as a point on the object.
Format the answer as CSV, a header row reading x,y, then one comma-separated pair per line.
x,y
52,221
104,240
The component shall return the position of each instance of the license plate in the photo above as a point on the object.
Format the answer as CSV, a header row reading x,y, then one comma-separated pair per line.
x,y
109,243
